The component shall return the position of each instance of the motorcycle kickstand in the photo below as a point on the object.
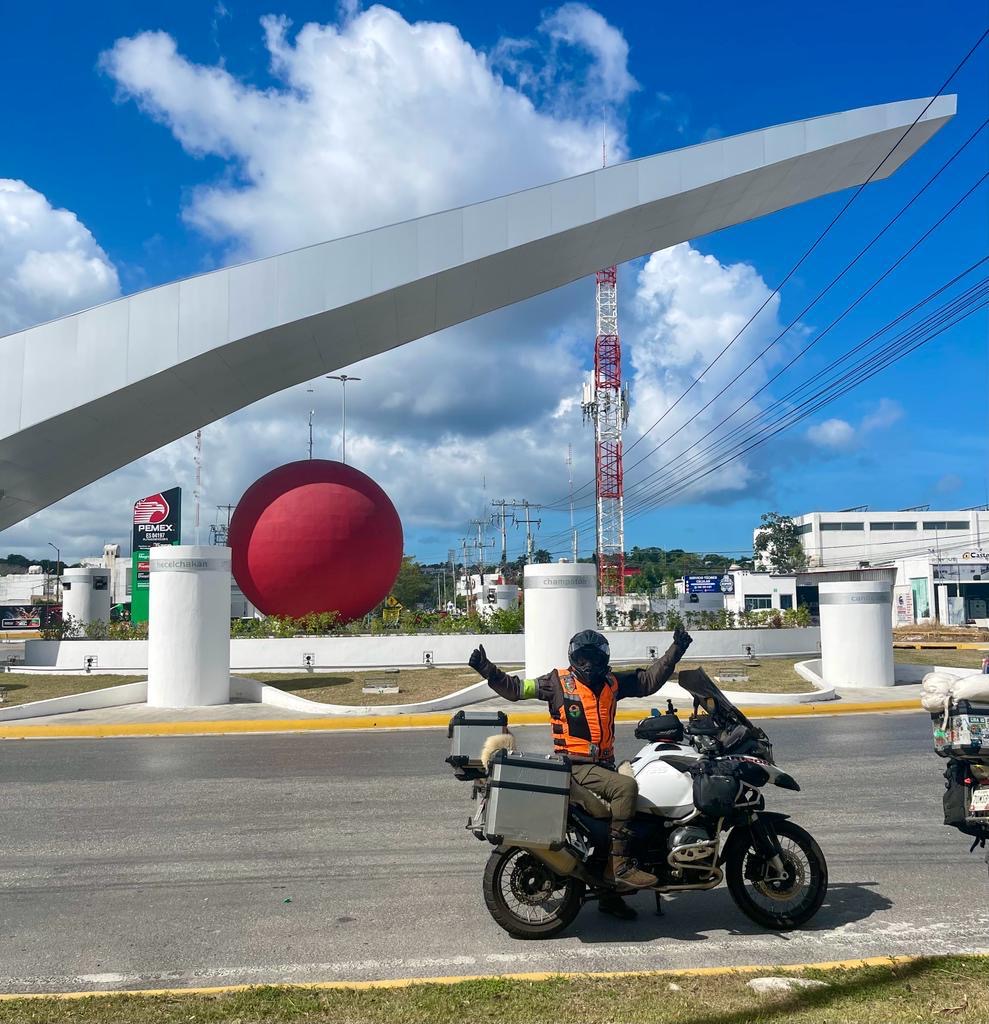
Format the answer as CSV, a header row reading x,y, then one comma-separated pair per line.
x,y
659,905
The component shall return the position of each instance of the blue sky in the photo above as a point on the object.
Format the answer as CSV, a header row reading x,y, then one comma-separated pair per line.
x,y
103,142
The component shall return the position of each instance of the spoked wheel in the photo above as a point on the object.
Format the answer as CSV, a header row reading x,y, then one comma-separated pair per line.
x,y
526,897
788,902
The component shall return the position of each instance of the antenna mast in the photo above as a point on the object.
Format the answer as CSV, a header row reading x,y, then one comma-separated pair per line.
x,y
199,477
606,404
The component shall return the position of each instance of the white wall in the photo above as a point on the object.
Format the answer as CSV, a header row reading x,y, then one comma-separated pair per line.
x,y
751,583
401,651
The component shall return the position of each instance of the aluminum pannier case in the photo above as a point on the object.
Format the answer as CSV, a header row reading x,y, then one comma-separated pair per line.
x,y
468,732
963,732
528,799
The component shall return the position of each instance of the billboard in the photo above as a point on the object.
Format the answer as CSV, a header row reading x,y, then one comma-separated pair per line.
x,y
157,520
28,616
716,583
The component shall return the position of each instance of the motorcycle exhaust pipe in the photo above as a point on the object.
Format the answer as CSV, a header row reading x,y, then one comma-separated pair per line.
x,y
562,861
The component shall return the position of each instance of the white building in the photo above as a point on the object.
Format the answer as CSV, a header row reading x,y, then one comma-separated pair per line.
x,y
738,590
939,560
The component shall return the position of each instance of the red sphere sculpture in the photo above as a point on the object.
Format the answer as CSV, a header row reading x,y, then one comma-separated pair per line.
x,y
315,536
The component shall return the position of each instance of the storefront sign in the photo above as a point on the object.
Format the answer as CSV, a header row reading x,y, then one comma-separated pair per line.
x,y
903,606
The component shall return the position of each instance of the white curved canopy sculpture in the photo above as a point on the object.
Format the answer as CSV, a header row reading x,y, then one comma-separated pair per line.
x,y
86,394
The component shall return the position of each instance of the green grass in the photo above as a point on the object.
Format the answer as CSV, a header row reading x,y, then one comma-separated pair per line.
x,y
950,989
767,675
414,685
953,659
23,687
770,675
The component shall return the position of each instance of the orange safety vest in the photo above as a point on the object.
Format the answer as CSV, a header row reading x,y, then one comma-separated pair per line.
x,y
584,722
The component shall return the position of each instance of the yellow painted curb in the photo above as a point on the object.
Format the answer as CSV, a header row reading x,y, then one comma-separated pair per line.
x,y
936,645
458,979
364,722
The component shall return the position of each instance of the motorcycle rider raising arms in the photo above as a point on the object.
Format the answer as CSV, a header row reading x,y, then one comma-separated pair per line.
x,y
582,701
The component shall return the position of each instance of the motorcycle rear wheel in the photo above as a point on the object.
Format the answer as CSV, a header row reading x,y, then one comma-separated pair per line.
x,y
526,897
774,905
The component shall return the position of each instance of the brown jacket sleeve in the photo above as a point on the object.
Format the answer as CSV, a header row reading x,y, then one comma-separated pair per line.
x,y
643,682
512,688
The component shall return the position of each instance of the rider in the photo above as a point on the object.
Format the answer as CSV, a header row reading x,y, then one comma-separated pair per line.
x,y
582,702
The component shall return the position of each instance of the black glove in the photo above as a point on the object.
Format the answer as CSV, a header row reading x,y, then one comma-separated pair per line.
x,y
682,639
478,661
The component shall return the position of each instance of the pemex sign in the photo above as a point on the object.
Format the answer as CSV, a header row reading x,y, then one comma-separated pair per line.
x,y
157,520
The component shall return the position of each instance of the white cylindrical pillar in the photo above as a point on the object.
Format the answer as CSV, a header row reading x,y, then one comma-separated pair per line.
x,y
189,626
86,595
560,600
506,596
857,633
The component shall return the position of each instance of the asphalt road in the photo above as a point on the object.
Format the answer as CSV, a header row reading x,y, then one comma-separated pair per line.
x,y
202,861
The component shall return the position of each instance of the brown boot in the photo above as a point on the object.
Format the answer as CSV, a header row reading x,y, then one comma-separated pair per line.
x,y
622,872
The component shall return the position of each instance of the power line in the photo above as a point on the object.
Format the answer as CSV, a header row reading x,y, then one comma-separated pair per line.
x,y
858,191
638,484
925,330
811,381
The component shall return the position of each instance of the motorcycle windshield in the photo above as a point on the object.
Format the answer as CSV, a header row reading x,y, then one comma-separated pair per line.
x,y
701,686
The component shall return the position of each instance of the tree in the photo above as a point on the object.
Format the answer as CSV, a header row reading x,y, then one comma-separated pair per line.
x,y
541,556
412,586
778,544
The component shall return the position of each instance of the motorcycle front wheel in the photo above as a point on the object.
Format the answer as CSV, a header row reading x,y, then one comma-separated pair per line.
x,y
526,897
789,902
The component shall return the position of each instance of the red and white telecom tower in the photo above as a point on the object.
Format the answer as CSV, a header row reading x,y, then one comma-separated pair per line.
x,y
606,403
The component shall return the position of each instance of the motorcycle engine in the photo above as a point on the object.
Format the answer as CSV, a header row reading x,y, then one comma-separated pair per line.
x,y
689,843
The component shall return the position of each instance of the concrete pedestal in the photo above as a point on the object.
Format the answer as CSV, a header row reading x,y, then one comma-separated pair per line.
x,y
189,627
560,600
86,595
857,634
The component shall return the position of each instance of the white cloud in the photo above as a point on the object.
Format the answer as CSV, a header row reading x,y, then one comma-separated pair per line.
x,y
886,413
833,433
50,264
687,307
374,119
840,435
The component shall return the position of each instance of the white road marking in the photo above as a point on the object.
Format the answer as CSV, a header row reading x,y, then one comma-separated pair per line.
x,y
902,937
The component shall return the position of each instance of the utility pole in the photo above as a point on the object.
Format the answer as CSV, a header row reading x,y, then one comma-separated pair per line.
x,y
218,532
573,529
312,412
468,588
529,523
199,478
343,378
481,544
500,518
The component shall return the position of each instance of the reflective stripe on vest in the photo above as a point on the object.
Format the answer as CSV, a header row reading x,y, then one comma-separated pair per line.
x,y
584,727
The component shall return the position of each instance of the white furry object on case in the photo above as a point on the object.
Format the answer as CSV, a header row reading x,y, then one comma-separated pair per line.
x,y
500,741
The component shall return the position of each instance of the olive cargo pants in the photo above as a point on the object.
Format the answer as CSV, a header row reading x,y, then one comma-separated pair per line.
x,y
619,790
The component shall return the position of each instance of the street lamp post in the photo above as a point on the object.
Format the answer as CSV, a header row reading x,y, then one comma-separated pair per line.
x,y
343,378
58,574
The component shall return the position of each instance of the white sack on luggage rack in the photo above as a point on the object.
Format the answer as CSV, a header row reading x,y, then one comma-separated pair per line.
x,y
935,690
973,688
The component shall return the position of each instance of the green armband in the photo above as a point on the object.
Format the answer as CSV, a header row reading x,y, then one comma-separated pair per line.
x,y
528,689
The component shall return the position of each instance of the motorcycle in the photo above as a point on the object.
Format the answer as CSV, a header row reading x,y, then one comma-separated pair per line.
x,y
701,819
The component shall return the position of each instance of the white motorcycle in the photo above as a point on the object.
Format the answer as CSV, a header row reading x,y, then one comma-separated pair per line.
x,y
701,819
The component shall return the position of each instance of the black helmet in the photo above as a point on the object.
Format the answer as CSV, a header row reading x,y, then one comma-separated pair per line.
x,y
588,640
